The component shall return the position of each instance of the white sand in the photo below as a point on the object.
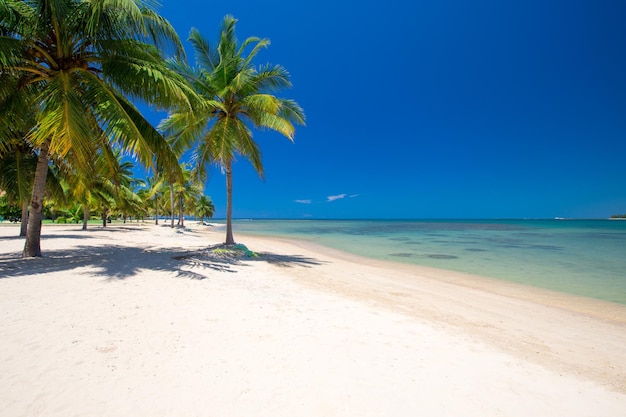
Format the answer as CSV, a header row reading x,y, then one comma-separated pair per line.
x,y
136,320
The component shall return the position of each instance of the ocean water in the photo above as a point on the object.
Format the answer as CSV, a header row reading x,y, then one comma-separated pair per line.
x,y
580,257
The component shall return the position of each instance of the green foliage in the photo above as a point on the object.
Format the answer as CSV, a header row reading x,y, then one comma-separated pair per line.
x,y
80,65
205,207
8,211
233,251
235,96
618,216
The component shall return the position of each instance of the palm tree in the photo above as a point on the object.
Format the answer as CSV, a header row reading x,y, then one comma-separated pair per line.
x,y
17,170
187,191
205,208
126,186
155,185
76,62
236,96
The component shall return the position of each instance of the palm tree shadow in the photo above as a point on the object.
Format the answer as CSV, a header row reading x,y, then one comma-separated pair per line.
x,y
115,262
111,262
285,260
220,261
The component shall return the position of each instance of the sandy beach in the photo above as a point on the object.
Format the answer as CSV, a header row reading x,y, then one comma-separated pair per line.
x,y
141,320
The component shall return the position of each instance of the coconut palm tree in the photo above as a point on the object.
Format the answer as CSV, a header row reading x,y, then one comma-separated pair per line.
x,y
237,96
155,186
77,62
126,187
17,170
187,192
205,208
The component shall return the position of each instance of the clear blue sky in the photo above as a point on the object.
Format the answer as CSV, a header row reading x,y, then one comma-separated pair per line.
x,y
435,109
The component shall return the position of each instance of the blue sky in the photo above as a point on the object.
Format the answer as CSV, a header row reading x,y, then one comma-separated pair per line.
x,y
435,109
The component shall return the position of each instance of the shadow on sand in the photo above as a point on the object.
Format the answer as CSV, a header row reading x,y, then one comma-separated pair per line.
x,y
122,262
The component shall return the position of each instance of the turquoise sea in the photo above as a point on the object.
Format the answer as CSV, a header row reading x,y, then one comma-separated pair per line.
x,y
580,257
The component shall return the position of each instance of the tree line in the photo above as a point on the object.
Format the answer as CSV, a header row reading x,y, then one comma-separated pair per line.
x,y
132,198
71,72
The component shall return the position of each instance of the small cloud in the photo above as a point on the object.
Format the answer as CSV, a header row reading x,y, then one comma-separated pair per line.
x,y
335,197
303,201
353,195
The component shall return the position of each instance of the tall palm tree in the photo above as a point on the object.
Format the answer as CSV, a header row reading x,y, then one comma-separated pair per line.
x,y
237,96
76,62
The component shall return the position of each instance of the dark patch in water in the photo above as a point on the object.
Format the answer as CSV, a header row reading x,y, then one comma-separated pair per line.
x,y
401,255
454,242
600,235
546,247
441,256
400,239
475,250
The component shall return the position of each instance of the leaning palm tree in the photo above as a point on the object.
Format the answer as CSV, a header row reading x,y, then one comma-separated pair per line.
x,y
78,63
237,96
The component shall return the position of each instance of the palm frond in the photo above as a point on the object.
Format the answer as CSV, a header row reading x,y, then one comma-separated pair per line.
x,y
260,43
271,78
205,56
247,147
137,69
63,120
292,111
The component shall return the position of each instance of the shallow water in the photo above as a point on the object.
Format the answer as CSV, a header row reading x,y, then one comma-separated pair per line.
x,y
581,257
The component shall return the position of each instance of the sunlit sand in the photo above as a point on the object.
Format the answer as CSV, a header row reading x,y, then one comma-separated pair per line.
x,y
141,320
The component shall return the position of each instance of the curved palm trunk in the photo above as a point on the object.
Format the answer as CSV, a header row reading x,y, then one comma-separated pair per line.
x,y
24,220
230,240
85,216
32,247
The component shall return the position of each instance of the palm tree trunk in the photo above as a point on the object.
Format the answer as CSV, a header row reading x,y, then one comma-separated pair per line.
x,y
230,240
104,216
85,216
181,215
156,209
32,247
172,203
24,224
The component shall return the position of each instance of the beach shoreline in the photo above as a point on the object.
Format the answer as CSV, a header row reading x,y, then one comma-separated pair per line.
x,y
107,312
601,309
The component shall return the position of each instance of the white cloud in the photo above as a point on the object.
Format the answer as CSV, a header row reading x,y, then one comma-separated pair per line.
x,y
335,197
303,201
